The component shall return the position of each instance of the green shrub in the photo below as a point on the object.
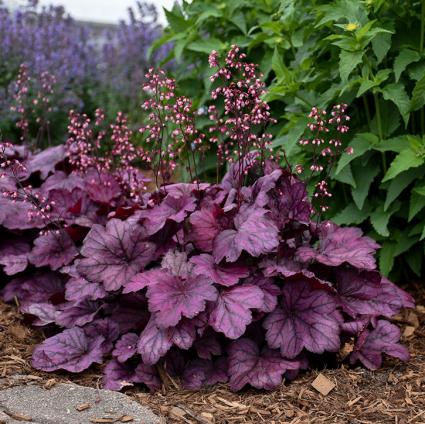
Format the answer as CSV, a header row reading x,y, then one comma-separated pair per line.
x,y
369,54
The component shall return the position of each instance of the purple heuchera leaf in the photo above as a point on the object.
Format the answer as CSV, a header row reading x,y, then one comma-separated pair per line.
x,y
202,373
172,298
102,188
263,185
54,249
338,245
14,215
34,289
71,350
225,274
113,255
118,375
77,313
370,346
107,328
270,292
284,266
176,263
78,288
261,370
46,161
144,279
205,227
171,208
60,180
255,233
208,346
45,313
14,255
126,347
232,312
155,342
367,293
306,318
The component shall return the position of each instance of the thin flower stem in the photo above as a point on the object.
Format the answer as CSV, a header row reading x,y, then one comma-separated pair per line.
x,y
380,132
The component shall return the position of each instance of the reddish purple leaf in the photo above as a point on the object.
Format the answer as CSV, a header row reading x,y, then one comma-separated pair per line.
x,y
171,297
225,275
370,346
232,311
39,288
171,208
261,370
176,263
78,288
367,293
205,227
107,328
46,161
126,347
54,249
77,313
208,346
306,318
338,245
154,343
45,313
255,233
118,375
144,279
14,255
203,373
102,188
113,255
70,350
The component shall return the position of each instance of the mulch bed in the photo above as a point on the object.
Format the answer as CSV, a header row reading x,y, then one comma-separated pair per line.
x,y
394,394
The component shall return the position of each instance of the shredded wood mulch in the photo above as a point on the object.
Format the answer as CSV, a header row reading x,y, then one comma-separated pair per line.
x,y
394,394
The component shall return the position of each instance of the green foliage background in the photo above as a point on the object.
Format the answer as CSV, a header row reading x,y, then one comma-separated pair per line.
x,y
369,54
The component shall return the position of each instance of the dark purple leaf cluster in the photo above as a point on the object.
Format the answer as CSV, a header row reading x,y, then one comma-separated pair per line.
x,y
212,283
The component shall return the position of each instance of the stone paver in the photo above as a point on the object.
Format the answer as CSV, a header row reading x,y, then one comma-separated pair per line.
x,y
58,405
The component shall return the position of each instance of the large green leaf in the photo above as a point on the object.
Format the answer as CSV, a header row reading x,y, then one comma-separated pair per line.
x,y
364,176
403,60
417,203
351,215
348,62
405,160
345,176
397,94
399,183
418,95
396,144
361,143
207,45
381,43
415,258
386,257
379,218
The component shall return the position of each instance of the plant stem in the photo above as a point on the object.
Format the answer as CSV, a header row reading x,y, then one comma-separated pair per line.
x,y
421,41
380,132
367,111
421,48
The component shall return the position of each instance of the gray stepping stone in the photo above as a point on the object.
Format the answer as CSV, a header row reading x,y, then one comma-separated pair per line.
x,y
60,404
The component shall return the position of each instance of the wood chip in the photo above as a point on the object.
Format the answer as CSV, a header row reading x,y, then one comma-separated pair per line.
x,y
82,407
20,417
18,331
208,417
323,385
409,331
177,413
126,419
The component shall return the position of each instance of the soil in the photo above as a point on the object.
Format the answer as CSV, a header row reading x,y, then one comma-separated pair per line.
x,y
394,394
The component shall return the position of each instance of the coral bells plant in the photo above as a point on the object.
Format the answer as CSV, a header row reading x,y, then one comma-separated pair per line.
x,y
232,282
